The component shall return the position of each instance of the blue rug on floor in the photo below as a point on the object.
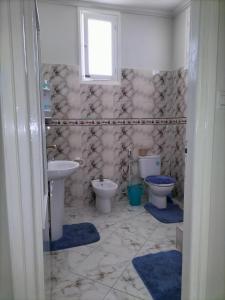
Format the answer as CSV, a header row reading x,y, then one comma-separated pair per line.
x,y
75,235
161,274
171,214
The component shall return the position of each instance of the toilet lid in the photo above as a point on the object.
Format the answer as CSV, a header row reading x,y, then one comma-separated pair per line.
x,y
160,179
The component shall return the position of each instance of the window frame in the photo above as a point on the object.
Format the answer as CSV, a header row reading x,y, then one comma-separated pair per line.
x,y
114,18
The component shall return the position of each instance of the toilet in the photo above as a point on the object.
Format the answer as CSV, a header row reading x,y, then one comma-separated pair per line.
x,y
159,187
104,190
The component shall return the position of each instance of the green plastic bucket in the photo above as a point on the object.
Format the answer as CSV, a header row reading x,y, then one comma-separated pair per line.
x,y
135,193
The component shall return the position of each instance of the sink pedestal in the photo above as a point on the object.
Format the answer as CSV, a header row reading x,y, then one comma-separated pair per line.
x,y
58,170
57,208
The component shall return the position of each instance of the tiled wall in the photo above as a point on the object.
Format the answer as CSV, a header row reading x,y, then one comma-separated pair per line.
x,y
100,124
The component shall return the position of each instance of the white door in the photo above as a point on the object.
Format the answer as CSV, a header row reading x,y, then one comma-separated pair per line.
x,y
204,204
22,146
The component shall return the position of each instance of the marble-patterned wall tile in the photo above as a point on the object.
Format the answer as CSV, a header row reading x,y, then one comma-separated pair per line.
x,y
67,139
143,89
104,148
167,151
159,96
123,142
178,160
65,90
108,152
96,101
140,95
69,147
92,155
143,138
123,106
179,104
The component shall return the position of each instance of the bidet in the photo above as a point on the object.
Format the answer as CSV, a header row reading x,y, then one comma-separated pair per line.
x,y
104,189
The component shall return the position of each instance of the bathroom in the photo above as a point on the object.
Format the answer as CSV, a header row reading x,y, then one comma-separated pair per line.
x,y
105,126
112,149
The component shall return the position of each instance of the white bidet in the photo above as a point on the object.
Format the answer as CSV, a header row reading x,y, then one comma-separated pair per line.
x,y
104,190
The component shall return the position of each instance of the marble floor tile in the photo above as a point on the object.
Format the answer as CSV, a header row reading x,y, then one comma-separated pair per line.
x,y
65,262
107,223
164,232
79,215
124,211
117,295
75,287
85,250
123,243
138,226
104,270
130,283
155,246
102,266
119,213
47,275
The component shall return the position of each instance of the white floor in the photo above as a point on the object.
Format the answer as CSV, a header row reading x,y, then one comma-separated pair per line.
x,y
104,270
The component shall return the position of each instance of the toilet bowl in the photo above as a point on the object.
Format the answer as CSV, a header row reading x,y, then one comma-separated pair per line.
x,y
104,190
159,187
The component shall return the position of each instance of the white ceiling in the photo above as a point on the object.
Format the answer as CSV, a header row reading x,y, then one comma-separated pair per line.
x,y
163,5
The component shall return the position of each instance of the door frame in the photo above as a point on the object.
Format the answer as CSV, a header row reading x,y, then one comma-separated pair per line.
x,y
200,133
21,126
22,153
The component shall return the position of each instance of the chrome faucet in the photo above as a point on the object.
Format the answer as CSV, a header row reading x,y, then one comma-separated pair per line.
x,y
53,147
50,153
101,179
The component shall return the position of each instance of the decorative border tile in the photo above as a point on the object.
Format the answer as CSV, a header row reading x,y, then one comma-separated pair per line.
x,y
116,122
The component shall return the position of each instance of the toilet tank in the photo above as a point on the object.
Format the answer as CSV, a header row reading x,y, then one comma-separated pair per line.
x,y
149,165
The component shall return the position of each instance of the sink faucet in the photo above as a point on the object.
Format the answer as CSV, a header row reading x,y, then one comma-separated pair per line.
x,y
53,147
101,179
49,154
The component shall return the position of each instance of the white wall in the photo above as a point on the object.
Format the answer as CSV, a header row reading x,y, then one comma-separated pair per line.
x,y
146,40
181,32
58,34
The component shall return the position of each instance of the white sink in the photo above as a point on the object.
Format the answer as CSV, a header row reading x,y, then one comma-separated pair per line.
x,y
61,168
58,170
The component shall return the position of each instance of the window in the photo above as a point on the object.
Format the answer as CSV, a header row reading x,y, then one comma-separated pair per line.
x,y
99,43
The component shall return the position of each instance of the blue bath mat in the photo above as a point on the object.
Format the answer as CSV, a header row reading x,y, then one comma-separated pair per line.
x,y
75,235
161,274
171,214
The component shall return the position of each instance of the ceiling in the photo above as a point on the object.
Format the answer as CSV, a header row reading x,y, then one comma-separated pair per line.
x,y
163,5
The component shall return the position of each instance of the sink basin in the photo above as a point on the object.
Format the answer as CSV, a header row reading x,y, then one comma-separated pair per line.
x,y
59,169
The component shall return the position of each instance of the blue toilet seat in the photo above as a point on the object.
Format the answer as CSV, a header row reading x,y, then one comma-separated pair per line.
x,y
160,180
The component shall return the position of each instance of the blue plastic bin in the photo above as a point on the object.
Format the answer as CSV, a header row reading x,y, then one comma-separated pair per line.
x,y
135,193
